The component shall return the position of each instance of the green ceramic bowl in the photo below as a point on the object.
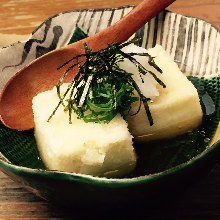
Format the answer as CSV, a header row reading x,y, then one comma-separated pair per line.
x,y
163,167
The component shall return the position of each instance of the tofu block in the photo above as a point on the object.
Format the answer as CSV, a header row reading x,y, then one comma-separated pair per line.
x,y
86,148
175,109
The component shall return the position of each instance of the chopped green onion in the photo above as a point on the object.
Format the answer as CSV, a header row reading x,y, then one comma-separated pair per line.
x,y
101,89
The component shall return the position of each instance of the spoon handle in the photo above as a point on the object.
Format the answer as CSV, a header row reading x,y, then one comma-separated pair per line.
x,y
124,28
129,24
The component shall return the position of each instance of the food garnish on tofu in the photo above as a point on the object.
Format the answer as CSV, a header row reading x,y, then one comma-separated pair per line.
x,y
175,109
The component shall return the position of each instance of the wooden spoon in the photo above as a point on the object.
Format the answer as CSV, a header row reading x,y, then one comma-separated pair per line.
x,y
42,74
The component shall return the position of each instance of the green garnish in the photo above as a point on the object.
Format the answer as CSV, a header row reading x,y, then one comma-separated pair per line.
x,y
101,89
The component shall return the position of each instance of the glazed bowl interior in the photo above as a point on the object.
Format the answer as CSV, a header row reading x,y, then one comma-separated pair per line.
x,y
195,46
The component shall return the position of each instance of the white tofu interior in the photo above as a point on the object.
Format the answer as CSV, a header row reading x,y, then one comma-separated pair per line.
x,y
175,109
87,148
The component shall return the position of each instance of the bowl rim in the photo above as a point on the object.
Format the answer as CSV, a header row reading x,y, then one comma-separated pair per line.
x,y
117,182
119,8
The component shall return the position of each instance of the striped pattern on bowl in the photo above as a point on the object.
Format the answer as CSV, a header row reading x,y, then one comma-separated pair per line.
x,y
194,44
